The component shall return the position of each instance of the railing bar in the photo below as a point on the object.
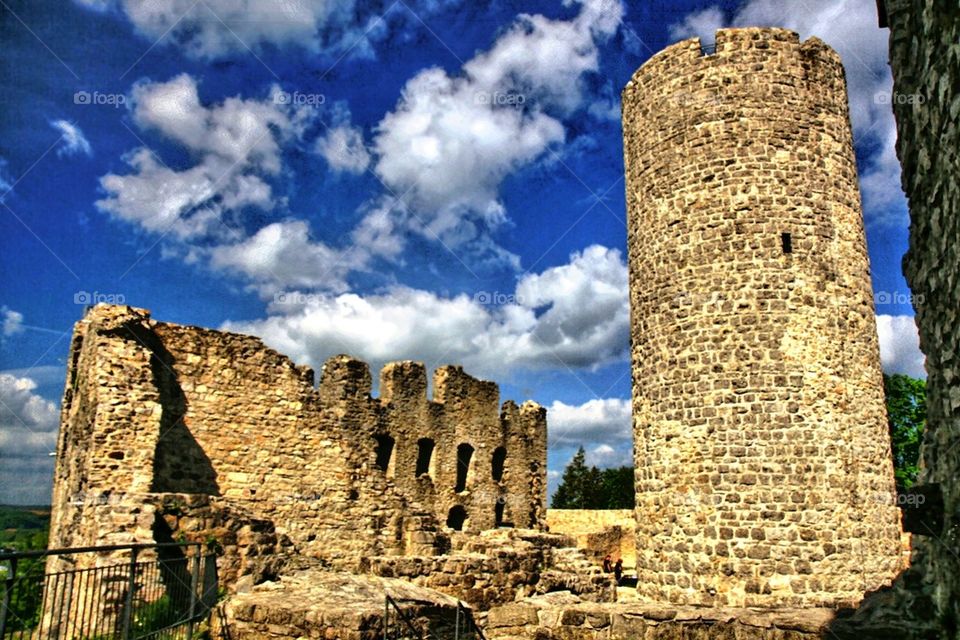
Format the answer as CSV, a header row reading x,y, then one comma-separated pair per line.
x,y
94,549
101,595
7,588
87,608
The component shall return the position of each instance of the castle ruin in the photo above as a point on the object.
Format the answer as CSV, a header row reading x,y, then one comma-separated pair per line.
x,y
763,467
159,408
763,471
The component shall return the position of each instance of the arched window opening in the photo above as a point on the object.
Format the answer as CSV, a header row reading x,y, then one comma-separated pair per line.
x,y
424,457
464,455
498,514
499,458
384,451
457,517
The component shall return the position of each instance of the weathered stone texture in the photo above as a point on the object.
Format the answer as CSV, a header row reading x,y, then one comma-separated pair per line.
x,y
317,604
763,464
561,616
154,409
599,532
925,59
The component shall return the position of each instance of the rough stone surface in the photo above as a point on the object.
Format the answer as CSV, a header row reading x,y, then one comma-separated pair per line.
x,y
155,408
925,59
181,433
561,616
598,532
319,604
763,467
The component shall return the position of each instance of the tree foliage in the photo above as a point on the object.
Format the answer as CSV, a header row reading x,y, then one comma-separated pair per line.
x,y
907,414
583,487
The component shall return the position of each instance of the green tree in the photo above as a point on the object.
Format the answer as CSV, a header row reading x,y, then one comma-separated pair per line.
x,y
907,414
618,488
570,493
583,487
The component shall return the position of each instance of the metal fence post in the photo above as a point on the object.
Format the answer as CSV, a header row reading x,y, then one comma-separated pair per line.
x,y
194,581
456,626
7,588
386,618
131,585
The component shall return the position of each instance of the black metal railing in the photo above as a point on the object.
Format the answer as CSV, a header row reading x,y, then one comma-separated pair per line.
x,y
399,625
122,592
466,626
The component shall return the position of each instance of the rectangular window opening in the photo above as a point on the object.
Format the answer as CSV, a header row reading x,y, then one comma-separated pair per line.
x,y
786,241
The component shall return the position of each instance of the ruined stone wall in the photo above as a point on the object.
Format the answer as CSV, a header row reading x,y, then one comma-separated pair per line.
x,y
599,532
763,466
925,59
155,409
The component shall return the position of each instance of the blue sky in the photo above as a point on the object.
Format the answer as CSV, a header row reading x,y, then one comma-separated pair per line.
x,y
436,180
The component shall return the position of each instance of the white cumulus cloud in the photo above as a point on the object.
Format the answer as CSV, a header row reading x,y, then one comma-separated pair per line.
x,y
12,321
451,140
237,144
900,346
573,315
598,421
282,255
28,434
74,142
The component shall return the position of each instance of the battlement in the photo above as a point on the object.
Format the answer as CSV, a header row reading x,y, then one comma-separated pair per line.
x,y
746,47
757,388
153,407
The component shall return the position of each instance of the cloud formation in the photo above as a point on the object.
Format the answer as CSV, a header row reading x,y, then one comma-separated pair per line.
x,y
237,144
12,322
573,315
597,421
28,433
451,140
900,346
74,142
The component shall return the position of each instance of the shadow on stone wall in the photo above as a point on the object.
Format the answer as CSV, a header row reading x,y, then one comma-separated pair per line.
x,y
179,465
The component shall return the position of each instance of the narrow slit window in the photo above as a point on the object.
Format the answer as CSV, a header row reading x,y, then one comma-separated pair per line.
x,y
384,453
786,242
464,455
424,457
499,460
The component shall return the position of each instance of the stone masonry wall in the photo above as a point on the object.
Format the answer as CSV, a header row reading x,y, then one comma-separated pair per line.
x,y
925,59
599,532
763,467
153,409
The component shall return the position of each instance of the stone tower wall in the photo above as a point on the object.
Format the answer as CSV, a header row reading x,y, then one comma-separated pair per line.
x,y
763,466
154,409
925,59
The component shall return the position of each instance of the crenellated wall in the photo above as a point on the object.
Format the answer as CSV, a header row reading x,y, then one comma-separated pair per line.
x,y
154,409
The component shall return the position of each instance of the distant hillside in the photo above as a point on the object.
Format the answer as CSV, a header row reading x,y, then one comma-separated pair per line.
x,y
24,527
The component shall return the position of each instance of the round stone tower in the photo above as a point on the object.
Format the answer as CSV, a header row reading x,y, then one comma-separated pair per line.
x,y
763,467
